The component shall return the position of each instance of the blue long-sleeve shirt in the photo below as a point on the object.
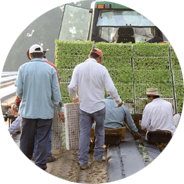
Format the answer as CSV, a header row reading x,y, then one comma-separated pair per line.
x,y
114,117
37,86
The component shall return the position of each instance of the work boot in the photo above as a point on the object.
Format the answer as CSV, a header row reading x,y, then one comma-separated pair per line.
x,y
85,167
103,159
51,159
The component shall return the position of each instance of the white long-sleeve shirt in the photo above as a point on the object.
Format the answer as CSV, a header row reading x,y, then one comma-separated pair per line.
x,y
158,115
88,80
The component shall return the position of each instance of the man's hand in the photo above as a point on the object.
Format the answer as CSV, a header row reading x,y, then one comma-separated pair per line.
x,y
137,136
16,108
76,100
61,116
119,105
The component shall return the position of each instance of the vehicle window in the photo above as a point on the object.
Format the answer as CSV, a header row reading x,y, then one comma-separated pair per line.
x,y
122,18
75,24
140,34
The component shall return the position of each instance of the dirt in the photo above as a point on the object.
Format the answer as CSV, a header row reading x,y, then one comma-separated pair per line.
x,y
66,167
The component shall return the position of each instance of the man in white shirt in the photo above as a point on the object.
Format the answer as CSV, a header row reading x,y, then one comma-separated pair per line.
x,y
158,118
88,80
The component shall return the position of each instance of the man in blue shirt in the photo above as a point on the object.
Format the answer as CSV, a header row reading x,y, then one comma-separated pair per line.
x,y
114,117
37,86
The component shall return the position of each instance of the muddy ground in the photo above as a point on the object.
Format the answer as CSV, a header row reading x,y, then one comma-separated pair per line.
x,y
66,167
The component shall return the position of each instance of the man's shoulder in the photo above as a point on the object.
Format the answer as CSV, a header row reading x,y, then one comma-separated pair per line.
x,y
51,64
162,101
167,102
157,102
148,106
24,65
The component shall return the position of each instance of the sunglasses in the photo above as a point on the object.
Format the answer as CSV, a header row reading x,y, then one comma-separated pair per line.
x,y
148,96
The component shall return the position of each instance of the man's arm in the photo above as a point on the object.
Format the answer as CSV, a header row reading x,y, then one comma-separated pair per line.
x,y
72,87
145,119
19,84
111,90
130,123
56,96
17,104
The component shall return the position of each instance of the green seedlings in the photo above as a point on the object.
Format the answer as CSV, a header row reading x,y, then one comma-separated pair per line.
x,y
144,154
150,160
154,49
131,66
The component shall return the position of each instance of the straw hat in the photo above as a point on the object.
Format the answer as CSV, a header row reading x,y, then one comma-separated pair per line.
x,y
152,92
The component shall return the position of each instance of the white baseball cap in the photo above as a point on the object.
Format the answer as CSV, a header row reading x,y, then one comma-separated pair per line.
x,y
35,49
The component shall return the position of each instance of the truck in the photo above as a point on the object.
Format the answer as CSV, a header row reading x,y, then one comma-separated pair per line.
x,y
147,59
107,22
105,18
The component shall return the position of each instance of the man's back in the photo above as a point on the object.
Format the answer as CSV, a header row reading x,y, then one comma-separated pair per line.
x,y
114,116
36,84
159,114
91,77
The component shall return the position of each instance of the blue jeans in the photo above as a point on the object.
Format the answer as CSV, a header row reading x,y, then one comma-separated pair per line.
x,y
86,121
42,127
49,148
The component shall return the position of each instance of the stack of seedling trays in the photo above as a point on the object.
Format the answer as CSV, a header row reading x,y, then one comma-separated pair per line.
x,y
151,68
117,60
132,67
68,55
178,81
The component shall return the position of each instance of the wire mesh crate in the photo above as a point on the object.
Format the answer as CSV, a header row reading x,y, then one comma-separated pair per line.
x,y
57,128
72,128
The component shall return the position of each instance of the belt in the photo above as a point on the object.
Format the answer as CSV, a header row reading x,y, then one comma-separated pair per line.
x,y
160,131
164,131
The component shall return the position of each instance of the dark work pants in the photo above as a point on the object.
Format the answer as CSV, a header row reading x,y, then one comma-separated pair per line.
x,y
49,153
86,121
42,128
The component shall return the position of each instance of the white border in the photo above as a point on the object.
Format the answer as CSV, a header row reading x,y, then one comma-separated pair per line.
x,y
16,15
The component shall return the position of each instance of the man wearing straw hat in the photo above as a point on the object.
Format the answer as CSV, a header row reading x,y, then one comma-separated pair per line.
x,y
158,118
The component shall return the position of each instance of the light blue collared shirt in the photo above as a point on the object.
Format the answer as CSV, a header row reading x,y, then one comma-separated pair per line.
x,y
37,86
114,116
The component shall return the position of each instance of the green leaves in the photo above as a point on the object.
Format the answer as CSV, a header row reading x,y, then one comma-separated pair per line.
x,y
73,48
125,91
115,49
178,80
68,55
151,63
152,76
132,67
151,49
